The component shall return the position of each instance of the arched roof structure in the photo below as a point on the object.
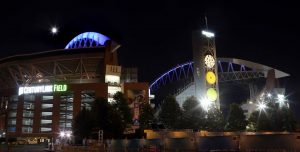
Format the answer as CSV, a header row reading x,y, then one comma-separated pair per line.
x,y
230,69
87,39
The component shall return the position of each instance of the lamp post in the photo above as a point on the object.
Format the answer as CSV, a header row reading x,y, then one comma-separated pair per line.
x,y
100,136
65,136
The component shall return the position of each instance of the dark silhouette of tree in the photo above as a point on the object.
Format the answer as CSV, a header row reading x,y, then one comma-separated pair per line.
x,y
260,121
107,119
273,118
288,121
170,113
193,115
120,105
83,124
236,119
214,120
146,116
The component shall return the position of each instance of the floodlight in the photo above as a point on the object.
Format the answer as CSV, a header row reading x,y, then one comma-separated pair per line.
x,y
62,134
261,106
208,34
280,99
205,103
68,135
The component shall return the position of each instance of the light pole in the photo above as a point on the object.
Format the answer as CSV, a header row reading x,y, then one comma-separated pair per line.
x,y
65,135
100,136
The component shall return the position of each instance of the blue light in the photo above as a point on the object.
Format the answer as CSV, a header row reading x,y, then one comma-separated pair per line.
x,y
170,74
87,39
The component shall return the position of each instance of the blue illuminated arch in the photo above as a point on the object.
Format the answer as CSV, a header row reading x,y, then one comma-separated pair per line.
x,y
87,39
229,69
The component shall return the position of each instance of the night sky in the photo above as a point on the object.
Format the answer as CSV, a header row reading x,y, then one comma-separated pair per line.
x,y
156,35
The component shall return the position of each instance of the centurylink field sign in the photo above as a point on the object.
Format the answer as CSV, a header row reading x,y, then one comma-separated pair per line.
x,y
42,89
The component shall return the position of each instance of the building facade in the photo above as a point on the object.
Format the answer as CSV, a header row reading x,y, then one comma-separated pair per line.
x,y
42,92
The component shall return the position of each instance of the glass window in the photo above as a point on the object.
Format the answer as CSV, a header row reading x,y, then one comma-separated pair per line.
x,y
46,129
12,113
27,121
45,121
65,125
47,98
27,113
66,111
13,106
87,99
11,129
29,97
66,116
66,107
45,106
46,114
28,105
11,122
27,129
14,98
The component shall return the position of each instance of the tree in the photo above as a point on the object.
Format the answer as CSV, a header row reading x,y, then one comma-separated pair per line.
x,y
120,104
83,124
146,116
107,118
170,113
214,120
273,118
288,121
101,112
282,118
193,115
236,120
259,121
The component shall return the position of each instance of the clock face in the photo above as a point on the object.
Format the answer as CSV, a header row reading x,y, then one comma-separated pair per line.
x,y
209,61
212,94
210,77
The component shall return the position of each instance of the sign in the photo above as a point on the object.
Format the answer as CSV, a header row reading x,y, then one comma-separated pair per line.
x,y
42,89
113,70
59,87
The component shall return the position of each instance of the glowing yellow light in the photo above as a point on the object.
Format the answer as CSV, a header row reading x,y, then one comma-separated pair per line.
x,y
212,94
210,77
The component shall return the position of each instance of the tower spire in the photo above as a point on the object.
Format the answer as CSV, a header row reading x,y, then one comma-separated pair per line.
x,y
206,22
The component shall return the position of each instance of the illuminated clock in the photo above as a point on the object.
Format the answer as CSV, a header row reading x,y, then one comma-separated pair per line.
x,y
212,94
209,61
210,77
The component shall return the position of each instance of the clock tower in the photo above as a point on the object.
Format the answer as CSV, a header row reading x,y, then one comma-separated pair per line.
x,y
205,69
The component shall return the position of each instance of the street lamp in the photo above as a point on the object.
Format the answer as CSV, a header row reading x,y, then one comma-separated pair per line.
x,y
65,136
62,134
208,34
205,103
280,99
68,135
261,106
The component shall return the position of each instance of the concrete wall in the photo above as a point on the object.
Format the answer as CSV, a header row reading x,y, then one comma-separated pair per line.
x,y
289,142
204,141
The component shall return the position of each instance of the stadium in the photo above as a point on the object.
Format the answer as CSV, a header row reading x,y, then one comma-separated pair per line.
x,y
42,92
